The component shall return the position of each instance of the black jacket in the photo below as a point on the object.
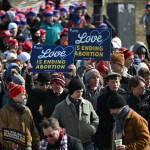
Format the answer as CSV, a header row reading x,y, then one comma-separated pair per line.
x,y
73,144
103,135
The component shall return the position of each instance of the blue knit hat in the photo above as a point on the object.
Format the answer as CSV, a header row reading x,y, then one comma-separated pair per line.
x,y
64,9
32,12
56,11
48,13
137,61
103,26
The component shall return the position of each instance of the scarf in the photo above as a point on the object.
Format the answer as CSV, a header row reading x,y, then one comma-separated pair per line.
x,y
17,105
63,141
120,120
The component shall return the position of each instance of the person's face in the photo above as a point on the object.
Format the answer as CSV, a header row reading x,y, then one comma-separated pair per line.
x,y
141,56
14,31
115,112
116,68
44,85
84,11
57,88
57,16
79,13
31,18
139,90
7,18
77,94
94,81
114,84
21,97
71,10
51,135
63,39
148,9
42,38
147,81
14,46
49,19
5,40
63,14
129,61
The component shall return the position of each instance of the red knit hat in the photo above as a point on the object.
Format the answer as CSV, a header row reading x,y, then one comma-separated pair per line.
x,y
27,46
64,32
15,89
100,67
12,42
5,33
128,53
43,32
58,78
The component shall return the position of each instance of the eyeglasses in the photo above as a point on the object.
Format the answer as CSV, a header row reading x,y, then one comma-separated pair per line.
x,y
47,83
48,136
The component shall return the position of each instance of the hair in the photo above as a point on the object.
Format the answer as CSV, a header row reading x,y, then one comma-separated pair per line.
x,y
113,77
134,81
144,72
78,8
50,122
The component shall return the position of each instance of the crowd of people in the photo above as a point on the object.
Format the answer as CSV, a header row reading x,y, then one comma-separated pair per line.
x,y
88,108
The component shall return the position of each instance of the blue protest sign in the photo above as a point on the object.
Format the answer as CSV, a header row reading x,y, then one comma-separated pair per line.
x,y
90,43
51,58
14,136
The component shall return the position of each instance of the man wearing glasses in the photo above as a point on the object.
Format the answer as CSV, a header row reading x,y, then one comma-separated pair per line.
x,y
56,138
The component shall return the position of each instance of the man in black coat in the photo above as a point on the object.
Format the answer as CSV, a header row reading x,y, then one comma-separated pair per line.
x,y
43,98
103,135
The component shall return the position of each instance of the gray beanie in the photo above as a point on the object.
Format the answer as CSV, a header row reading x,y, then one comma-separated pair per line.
x,y
17,78
11,14
90,73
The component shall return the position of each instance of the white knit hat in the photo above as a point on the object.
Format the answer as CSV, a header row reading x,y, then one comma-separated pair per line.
x,y
24,56
11,56
12,25
116,42
141,65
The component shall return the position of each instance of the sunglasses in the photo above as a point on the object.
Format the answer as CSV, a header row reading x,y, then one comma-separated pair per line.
x,y
48,136
47,83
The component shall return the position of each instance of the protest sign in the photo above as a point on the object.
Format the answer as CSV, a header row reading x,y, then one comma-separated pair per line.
x,y
90,43
52,58
14,136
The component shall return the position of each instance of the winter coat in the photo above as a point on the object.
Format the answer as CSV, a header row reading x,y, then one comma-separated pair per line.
x,y
103,135
52,32
11,118
136,133
81,127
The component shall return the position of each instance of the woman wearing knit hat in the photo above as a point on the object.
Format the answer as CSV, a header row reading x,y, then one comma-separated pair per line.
x,y
93,82
18,116
77,115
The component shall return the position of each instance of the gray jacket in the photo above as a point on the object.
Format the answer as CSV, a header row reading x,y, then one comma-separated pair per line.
x,y
81,127
145,19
